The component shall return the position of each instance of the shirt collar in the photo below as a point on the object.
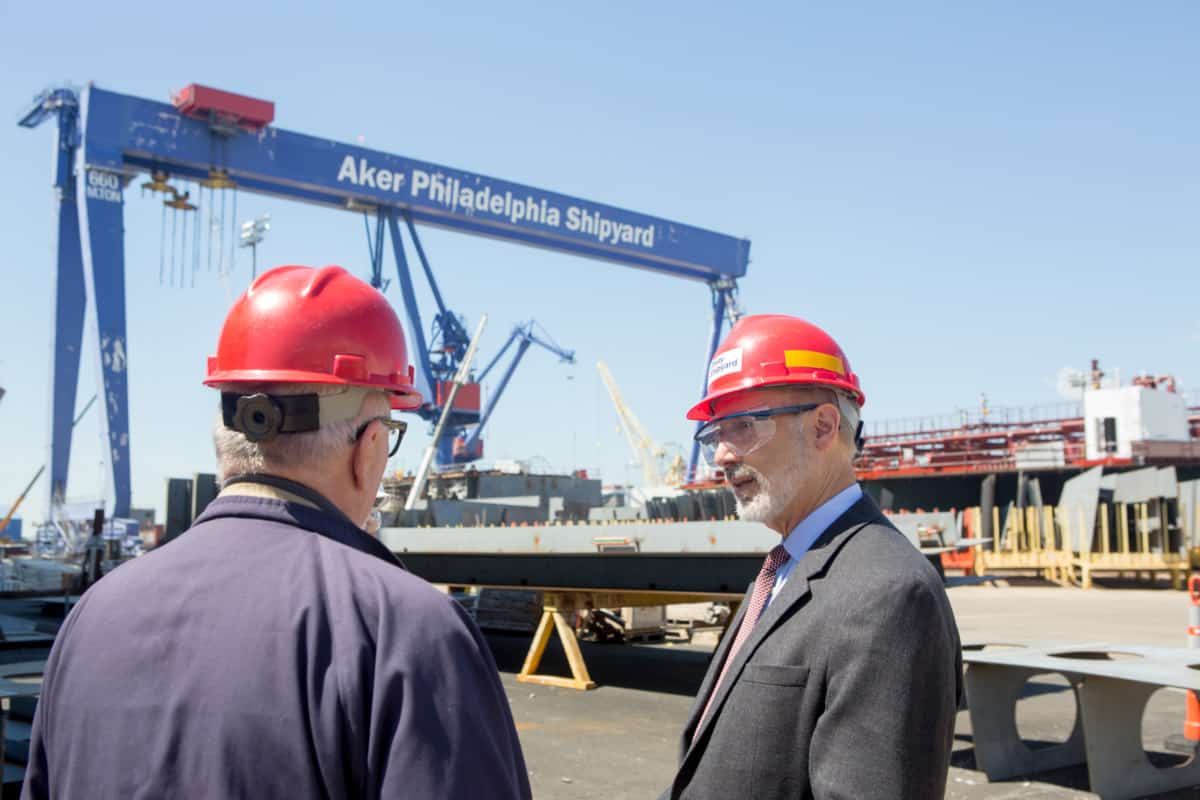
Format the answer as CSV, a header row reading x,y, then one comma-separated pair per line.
x,y
262,490
811,527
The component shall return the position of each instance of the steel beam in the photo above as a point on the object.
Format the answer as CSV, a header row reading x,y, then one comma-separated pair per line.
x,y
101,204
616,572
420,358
70,302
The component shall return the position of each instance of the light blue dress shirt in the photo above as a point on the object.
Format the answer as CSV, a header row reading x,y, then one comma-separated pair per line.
x,y
810,528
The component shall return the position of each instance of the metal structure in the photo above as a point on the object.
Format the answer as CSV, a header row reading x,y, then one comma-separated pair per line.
x,y
1111,683
691,557
594,565
218,140
700,557
1005,440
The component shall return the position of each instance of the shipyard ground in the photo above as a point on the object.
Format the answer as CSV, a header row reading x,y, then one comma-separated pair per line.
x,y
620,740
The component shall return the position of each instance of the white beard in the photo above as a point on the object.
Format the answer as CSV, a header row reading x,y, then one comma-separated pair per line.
x,y
773,495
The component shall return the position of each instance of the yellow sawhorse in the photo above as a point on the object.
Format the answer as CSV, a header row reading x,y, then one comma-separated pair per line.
x,y
552,620
556,604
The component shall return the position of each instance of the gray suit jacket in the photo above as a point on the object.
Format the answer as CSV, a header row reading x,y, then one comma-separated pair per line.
x,y
847,687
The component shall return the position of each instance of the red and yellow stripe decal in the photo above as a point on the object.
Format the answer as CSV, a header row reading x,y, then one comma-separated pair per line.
x,y
812,359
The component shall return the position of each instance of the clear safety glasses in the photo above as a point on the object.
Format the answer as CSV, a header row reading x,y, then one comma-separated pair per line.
x,y
744,432
395,427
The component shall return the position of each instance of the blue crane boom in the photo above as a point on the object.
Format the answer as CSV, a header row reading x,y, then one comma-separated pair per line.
x,y
466,446
106,139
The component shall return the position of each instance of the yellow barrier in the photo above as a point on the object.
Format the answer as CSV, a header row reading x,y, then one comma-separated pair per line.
x,y
1135,553
1043,542
1027,542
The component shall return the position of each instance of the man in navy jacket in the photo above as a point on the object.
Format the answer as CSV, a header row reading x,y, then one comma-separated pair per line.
x,y
276,650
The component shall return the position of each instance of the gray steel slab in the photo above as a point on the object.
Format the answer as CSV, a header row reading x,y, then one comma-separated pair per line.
x,y
648,537
1112,684
1144,485
712,573
1189,511
1077,503
694,557
1160,666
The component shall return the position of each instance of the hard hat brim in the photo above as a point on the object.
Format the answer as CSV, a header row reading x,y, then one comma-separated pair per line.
x,y
400,397
703,411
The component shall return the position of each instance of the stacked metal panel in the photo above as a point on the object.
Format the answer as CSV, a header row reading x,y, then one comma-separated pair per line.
x,y
1076,512
1189,511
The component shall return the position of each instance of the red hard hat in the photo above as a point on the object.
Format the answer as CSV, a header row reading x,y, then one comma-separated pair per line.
x,y
322,326
775,350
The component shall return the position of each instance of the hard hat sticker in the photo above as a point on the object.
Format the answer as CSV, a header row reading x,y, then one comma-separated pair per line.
x,y
811,359
725,363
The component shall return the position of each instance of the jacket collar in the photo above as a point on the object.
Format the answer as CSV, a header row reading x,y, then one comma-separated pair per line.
x,y
323,521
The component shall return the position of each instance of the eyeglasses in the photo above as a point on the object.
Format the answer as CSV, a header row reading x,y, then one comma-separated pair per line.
x,y
396,429
744,432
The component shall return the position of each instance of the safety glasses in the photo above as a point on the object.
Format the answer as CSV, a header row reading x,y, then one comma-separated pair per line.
x,y
396,429
744,432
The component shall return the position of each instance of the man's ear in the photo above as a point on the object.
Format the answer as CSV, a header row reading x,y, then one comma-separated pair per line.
x,y
827,418
366,451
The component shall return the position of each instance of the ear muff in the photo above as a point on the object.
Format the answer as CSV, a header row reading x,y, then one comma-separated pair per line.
x,y
257,416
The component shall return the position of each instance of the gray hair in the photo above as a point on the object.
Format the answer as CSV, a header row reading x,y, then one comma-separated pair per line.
x,y
237,455
848,409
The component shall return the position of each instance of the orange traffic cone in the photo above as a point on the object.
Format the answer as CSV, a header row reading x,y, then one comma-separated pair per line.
x,y
1190,741
1191,724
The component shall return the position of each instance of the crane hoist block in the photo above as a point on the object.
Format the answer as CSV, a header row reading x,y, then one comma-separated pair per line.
x,y
467,399
204,102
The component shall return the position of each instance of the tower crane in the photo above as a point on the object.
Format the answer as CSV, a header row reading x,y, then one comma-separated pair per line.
x,y
644,449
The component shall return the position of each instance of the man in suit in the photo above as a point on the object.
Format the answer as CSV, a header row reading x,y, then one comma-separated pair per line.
x,y
841,674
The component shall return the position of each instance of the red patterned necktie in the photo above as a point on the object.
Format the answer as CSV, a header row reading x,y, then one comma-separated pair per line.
x,y
758,599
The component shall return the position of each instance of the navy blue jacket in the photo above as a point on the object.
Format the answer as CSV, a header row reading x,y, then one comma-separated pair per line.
x,y
273,651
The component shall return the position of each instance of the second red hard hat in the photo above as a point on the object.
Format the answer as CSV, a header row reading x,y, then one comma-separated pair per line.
x,y
775,350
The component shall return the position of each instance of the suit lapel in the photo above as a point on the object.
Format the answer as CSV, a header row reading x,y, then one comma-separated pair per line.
x,y
714,667
794,592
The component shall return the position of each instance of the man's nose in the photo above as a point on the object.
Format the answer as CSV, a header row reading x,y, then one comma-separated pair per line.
x,y
725,456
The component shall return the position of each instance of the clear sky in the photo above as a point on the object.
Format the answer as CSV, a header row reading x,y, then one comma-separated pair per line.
x,y
968,196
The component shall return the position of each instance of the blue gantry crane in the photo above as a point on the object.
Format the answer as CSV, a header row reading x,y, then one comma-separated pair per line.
x,y
223,142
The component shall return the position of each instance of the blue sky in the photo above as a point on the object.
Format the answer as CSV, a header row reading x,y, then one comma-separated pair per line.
x,y
968,196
